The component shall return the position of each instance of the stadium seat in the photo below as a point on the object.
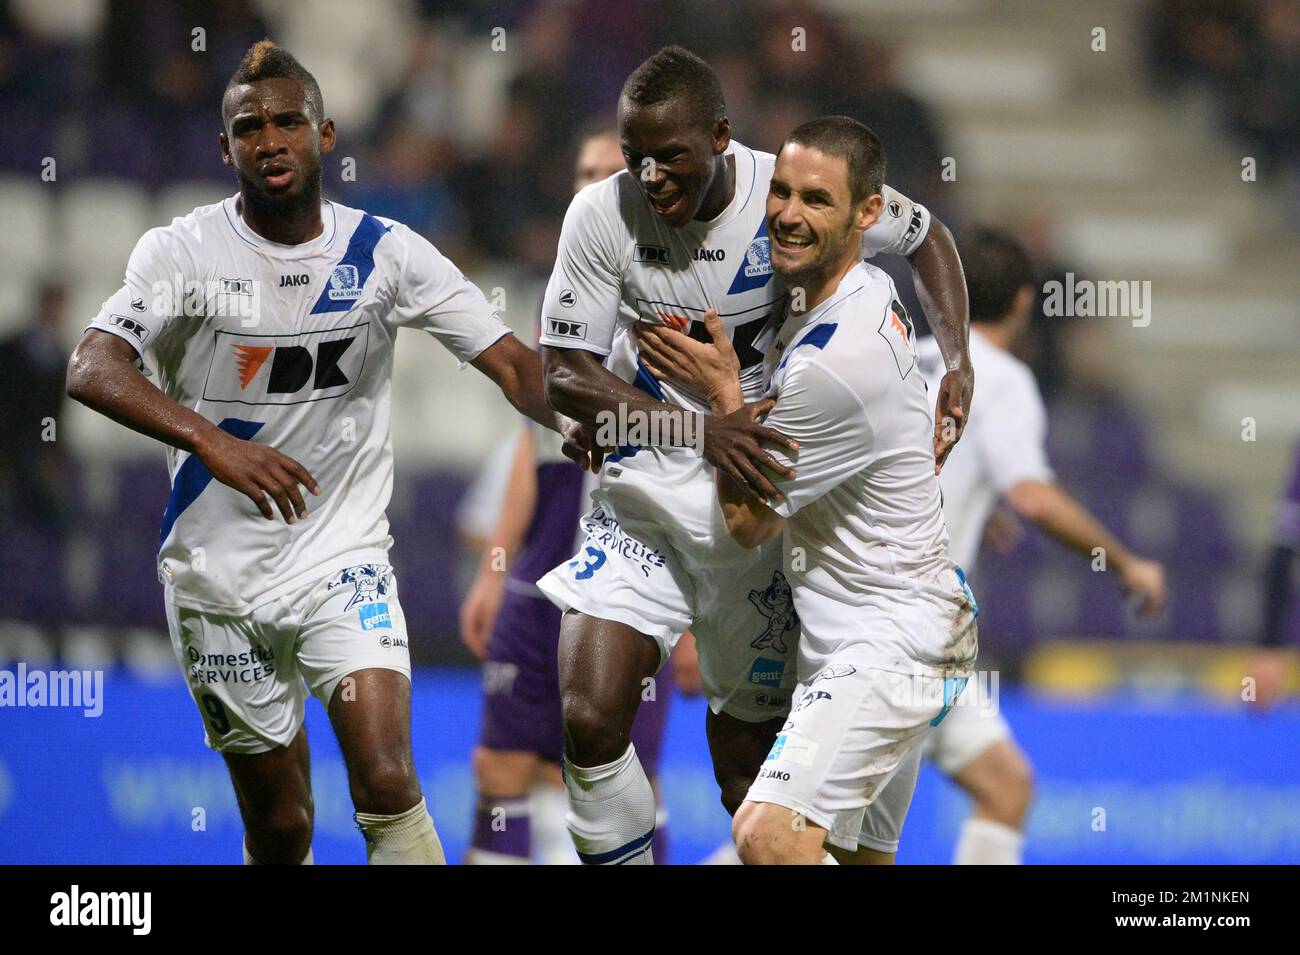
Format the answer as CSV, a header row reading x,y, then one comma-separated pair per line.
x,y
101,221
181,198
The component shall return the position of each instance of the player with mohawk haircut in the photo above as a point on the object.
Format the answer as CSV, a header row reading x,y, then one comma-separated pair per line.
x,y
273,381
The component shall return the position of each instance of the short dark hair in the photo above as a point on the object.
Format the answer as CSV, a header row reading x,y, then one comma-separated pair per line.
x,y
997,267
848,139
677,74
266,61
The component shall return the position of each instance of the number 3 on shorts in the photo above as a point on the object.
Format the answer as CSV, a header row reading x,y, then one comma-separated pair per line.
x,y
595,559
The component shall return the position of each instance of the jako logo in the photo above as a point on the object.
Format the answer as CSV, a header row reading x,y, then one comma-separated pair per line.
x,y
103,908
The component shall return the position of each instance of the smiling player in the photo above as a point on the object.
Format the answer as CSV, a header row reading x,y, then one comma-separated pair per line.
x,y
272,318
888,624
683,231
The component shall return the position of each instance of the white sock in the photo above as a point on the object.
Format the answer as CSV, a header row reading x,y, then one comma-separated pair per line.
x,y
551,842
484,857
405,839
309,859
985,842
611,811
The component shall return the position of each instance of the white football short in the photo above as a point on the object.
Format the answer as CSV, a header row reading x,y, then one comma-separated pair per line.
x,y
965,733
662,579
853,740
250,675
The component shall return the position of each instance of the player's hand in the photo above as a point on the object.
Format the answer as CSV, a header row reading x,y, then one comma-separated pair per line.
x,y
1002,531
580,446
257,471
478,614
686,666
733,443
951,411
1145,579
711,371
1268,668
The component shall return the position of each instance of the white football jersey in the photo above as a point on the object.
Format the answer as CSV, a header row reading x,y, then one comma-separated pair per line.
x,y
618,264
290,346
865,532
1002,444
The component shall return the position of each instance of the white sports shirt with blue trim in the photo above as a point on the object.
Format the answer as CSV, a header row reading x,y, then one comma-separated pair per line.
x,y
864,513
290,346
618,264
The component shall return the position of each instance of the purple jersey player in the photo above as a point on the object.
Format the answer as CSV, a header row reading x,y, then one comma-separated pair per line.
x,y
515,629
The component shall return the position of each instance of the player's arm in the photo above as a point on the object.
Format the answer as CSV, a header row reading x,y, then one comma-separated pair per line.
x,y
580,313
103,375
908,228
517,370
435,297
941,286
1053,509
579,386
478,612
714,371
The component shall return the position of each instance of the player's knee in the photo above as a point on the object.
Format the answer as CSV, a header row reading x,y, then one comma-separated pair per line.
x,y
595,731
1006,786
385,786
1018,774
280,834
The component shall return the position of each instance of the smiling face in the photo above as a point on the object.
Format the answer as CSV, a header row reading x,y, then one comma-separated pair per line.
x,y
274,142
812,221
676,160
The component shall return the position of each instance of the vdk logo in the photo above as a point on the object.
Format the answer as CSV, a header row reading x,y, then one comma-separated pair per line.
x,y
286,369
566,329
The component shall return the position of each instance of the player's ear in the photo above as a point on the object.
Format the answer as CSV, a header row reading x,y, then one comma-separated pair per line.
x,y
721,136
327,136
869,210
225,150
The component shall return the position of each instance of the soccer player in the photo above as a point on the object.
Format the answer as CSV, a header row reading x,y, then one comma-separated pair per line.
x,y
1003,457
508,622
888,623
272,317
683,231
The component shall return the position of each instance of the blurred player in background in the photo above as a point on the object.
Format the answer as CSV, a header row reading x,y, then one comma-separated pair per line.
x,y
888,623
515,630
1003,456
1272,662
272,317
684,231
